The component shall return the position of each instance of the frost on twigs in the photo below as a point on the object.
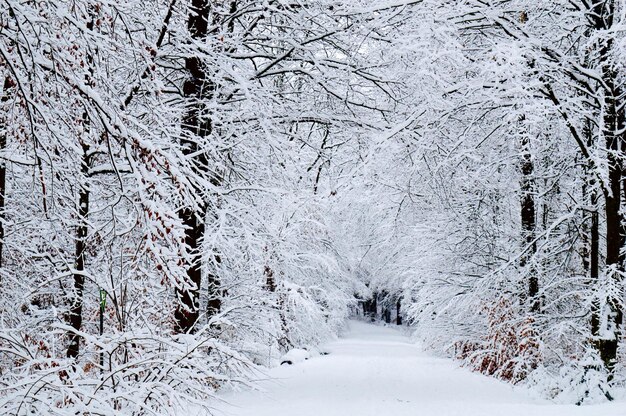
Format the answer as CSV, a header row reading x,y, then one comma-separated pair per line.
x,y
143,373
582,382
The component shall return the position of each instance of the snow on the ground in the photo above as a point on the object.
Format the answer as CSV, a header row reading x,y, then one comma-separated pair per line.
x,y
295,356
378,371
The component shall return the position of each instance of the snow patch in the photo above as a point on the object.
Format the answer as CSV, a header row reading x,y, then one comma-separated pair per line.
x,y
295,356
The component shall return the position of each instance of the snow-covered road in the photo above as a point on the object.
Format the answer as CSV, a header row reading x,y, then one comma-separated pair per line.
x,y
377,371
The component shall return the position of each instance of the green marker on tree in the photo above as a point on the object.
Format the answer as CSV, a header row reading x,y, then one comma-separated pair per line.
x,y
103,299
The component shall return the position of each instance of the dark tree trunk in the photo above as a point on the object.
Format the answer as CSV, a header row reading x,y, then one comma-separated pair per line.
x,y
591,262
387,315
398,316
601,17
270,282
614,241
188,307
614,124
3,168
528,215
614,232
198,89
214,290
370,307
76,307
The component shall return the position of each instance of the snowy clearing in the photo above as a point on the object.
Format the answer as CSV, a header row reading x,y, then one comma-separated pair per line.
x,y
374,370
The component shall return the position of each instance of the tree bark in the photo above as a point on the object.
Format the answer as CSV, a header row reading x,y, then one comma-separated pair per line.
x,y
600,18
528,216
398,316
76,308
370,307
593,261
198,89
614,242
3,167
601,15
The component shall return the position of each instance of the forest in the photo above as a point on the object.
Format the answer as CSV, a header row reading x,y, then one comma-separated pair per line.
x,y
190,189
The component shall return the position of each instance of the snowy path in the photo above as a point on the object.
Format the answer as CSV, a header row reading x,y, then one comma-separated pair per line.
x,y
377,371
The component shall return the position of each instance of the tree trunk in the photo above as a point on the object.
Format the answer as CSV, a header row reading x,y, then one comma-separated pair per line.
x,y
198,89
592,239
601,15
398,316
608,346
370,307
270,282
3,167
76,308
614,124
387,315
528,216
194,90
